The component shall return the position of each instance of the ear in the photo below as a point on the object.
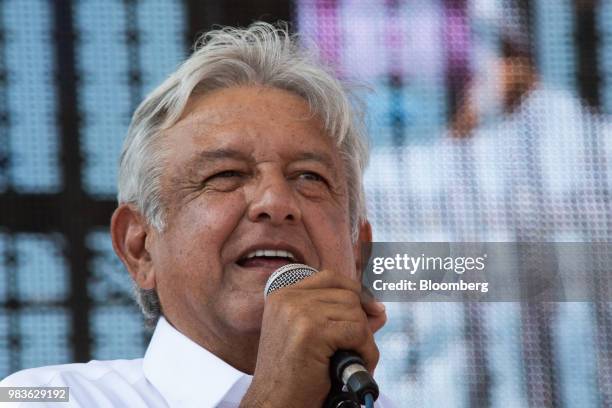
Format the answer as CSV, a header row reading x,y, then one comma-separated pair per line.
x,y
131,236
363,247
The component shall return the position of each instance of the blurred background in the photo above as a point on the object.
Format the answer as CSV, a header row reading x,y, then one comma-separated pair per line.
x,y
490,120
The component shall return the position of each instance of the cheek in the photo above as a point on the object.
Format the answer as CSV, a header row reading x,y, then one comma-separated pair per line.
x,y
196,235
211,218
330,232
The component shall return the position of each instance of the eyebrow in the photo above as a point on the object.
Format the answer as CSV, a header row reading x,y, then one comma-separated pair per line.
x,y
203,157
321,157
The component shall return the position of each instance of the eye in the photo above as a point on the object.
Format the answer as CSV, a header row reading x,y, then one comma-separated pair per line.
x,y
226,180
311,176
226,174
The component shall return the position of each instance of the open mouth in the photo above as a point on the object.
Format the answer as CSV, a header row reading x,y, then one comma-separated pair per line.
x,y
268,258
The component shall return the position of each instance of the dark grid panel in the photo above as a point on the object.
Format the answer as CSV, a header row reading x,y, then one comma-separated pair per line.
x,y
44,336
102,63
33,269
5,349
34,288
29,131
605,53
161,30
4,113
119,61
117,333
42,273
56,64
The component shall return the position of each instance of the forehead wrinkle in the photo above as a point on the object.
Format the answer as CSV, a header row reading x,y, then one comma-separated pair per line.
x,y
200,121
203,157
197,117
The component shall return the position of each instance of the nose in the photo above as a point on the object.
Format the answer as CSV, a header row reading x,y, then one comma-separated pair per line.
x,y
274,201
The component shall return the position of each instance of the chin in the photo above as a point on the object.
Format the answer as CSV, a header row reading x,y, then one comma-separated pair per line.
x,y
246,319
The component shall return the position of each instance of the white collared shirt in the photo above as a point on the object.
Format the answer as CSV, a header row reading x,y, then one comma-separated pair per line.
x,y
175,372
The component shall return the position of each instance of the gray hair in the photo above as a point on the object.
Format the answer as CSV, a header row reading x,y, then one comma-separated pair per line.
x,y
261,54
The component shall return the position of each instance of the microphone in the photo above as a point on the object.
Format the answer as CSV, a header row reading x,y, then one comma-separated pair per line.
x,y
346,367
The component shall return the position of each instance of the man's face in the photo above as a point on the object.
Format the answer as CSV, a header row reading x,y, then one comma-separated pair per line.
x,y
249,170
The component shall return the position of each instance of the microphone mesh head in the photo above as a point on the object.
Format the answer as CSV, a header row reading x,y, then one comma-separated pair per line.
x,y
287,275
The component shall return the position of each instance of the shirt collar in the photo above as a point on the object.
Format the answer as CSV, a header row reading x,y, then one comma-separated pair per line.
x,y
185,373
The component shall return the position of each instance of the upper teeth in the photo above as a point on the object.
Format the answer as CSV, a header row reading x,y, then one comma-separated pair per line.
x,y
271,252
